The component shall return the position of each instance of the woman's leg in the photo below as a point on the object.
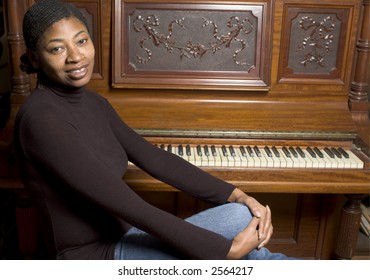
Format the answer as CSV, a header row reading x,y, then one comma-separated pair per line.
x,y
226,220
139,245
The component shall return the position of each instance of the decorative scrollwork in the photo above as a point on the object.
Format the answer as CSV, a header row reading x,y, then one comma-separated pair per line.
x,y
191,49
318,37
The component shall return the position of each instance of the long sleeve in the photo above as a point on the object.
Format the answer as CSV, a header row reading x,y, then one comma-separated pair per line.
x,y
167,167
63,145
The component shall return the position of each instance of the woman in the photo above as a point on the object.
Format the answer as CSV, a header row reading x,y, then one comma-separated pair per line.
x,y
73,150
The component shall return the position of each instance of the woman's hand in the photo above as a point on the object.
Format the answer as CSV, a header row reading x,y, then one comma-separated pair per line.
x,y
245,241
261,222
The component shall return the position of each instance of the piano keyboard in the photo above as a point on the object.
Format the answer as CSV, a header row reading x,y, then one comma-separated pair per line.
x,y
264,156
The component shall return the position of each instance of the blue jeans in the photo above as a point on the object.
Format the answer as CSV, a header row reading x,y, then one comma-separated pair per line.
x,y
139,245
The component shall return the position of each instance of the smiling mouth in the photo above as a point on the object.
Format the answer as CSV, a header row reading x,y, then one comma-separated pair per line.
x,y
77,73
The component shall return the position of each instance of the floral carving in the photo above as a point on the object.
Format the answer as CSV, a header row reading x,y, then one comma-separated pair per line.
x,y
149,26
317,41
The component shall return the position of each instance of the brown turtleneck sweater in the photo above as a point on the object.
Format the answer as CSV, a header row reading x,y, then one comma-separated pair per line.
x,y
73,151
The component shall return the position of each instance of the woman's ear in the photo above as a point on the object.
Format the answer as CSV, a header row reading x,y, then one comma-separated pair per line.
x,y
34,59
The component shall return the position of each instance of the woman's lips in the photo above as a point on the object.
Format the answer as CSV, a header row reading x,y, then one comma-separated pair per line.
x,y
77,73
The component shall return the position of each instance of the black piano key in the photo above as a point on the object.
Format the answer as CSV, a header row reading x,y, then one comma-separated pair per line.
x,y
343,152
213,150
257,151
336,153
206,151
162,146
232,151
328,152
318,152
169,148
276,152
286,152
224,151
199,150
268,151
250,151
301,152
311,152
188,150
242,151
293,152
181,150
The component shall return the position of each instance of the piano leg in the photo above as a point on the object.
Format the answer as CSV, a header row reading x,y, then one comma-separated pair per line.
x,y
26,227
349,227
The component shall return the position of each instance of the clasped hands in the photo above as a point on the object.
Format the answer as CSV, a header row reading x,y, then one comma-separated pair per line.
x,y
259,231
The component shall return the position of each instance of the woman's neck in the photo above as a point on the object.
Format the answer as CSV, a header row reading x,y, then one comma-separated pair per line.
x,y
71,94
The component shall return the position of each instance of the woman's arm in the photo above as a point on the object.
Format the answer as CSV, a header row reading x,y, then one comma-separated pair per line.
x,y
167,167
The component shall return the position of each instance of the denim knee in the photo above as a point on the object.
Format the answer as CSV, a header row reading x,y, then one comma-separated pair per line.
x,y
239,210
227,219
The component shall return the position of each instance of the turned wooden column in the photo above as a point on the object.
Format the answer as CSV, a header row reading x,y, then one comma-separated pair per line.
x,y
20,88
359,95
349,227
19,80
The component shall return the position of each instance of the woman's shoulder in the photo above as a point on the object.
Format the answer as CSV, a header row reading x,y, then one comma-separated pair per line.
x,y
39,98
39,104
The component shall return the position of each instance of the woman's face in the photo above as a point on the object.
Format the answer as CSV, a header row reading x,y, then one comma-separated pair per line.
x,y
66,53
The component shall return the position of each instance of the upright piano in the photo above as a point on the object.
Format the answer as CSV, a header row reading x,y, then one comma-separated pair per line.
x,y
271,96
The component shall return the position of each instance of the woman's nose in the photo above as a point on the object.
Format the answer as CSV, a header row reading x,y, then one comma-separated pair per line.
x,y
74,55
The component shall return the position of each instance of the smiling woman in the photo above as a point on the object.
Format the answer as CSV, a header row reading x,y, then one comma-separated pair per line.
x,y
66,53
73,151
62,48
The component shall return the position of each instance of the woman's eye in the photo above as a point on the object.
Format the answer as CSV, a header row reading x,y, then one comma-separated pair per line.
x,y
56,49
82,41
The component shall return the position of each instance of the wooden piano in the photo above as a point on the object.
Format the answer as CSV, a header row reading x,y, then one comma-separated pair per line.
x,y
272,96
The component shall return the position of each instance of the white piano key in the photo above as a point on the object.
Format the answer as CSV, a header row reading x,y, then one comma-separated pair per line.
x,y
340,162
243,159
256,161
329,162
308,161
205,159
226,156
218,158
268,160
263,160
296,162
236,157
301,161
197,158
314,161
282,159
288,162
355,161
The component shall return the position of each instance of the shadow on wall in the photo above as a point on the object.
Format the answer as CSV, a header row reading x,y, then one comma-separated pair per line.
x,y
4,74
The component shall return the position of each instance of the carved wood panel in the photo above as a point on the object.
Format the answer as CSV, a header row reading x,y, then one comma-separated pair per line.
x,y
187,45
314,43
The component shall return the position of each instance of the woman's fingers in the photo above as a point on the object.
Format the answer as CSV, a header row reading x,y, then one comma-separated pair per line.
x,y
267,228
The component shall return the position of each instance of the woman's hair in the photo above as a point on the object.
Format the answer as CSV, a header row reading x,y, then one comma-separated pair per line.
x,y
39,18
